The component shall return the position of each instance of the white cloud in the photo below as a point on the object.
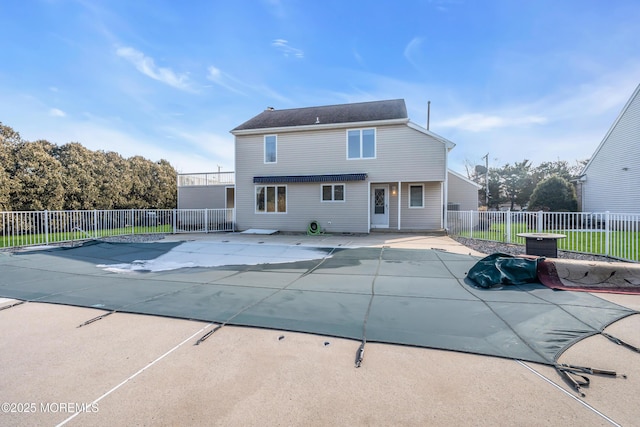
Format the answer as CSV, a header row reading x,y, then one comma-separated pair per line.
x,y
146,65
217,149
287,50
478,122
233,84
359,59
412,50
55,112
215,75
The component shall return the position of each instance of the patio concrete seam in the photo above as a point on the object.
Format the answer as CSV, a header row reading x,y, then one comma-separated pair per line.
x,y
150,364
582,402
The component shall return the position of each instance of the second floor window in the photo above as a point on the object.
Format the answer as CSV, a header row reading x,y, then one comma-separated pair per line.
x,y
361,144
270,149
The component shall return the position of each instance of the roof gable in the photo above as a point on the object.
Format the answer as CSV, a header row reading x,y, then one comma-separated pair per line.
x,y
464,178
329,114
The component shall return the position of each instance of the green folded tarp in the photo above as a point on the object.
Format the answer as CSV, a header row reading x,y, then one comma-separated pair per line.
x,y
504,269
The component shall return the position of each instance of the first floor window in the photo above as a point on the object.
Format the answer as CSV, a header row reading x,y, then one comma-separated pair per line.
x,y
333,192
271,199
416,197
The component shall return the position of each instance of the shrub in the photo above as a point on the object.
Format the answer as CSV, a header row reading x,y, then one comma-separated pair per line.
x,y
554,194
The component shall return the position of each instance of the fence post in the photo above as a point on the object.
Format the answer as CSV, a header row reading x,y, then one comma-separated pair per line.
x,y
46,227
95,224
175,215
540,221
133,218
508,226
206,220
607,232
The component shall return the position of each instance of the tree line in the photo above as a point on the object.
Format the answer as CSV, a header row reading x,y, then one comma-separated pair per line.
x,y
517,186
41,175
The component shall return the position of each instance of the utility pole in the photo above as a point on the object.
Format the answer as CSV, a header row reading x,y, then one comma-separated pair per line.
x,y
486,178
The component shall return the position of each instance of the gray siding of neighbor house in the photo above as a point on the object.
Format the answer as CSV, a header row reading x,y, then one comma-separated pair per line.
x,y
202,197
402,154
613,174
463,193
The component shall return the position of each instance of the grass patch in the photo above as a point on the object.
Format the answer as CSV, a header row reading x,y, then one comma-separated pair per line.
x,y
59,237
622,244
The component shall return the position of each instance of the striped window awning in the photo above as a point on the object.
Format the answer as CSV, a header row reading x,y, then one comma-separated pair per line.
x,y
283,179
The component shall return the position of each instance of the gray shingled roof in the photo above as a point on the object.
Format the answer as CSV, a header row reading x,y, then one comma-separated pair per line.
x,y
328,114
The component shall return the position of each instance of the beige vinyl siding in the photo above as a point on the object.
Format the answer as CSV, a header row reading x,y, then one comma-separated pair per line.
x,y
608,187
202,197
427,218
462,193
407,155
304,205
402,154
400,150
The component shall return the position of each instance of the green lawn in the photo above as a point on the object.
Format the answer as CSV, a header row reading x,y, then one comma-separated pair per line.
x,y
41,239
623,244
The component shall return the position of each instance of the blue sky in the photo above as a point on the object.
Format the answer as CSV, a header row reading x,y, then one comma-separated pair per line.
x,y
542,80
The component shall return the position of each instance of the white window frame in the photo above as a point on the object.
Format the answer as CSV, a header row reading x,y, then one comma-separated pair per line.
x,y
375,143
275,186
333,193
421,200
264,157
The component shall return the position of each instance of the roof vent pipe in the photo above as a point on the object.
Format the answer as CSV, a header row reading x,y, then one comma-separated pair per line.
x,y
428,113
270,108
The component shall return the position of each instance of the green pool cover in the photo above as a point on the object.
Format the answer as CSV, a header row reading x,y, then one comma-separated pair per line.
x,y
399,296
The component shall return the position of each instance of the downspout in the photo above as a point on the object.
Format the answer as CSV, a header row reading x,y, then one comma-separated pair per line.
x,y
399,204
445,189
369,207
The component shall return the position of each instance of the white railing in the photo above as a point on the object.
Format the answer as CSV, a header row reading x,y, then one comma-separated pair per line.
x,y
603,233
45,227
209,178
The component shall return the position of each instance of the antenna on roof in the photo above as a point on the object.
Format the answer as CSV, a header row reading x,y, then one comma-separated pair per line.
x,y
270,108
428,113
317,120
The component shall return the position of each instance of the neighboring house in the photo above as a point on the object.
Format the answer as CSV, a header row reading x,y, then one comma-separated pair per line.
x,y
212,190
351,168
462,193
610,181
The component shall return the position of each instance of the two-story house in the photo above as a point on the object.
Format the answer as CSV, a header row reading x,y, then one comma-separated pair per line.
x,y
351,168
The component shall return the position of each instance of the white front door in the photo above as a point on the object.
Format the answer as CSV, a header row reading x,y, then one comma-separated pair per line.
x,y
379,206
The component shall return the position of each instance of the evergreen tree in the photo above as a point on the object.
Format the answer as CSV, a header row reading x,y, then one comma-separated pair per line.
x,y
554,194
38,178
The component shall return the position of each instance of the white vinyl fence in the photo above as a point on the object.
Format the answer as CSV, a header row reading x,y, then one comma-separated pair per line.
x,y
45,227
609,234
